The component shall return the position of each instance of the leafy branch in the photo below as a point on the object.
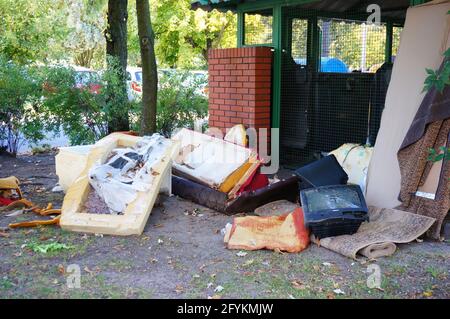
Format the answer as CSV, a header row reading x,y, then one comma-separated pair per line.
x,y
439,79
443,154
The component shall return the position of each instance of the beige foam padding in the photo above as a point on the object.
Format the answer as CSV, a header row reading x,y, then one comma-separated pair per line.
x,y
424,39
285,233
376,238
69,163
236,135
135,216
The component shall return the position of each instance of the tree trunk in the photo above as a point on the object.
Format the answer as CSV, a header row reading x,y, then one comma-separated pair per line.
x,y
149,71
116,46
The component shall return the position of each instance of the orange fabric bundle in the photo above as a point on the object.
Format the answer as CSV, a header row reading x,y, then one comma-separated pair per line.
x,y
285,233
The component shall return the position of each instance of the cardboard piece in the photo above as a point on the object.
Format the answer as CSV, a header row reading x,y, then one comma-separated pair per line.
x,y
425,37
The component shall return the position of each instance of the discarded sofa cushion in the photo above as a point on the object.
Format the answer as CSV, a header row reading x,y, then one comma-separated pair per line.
x,y
70,163
236,135
354,159
285,233
255,182
10,182
323,172
9,190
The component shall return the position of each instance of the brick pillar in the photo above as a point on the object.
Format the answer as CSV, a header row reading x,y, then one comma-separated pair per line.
x,y
240,87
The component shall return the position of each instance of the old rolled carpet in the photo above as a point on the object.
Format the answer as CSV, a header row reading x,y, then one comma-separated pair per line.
x,y
376,238
430,129
285,233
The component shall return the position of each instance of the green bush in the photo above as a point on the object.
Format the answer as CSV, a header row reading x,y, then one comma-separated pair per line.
x,y
20,100
180,101
82,113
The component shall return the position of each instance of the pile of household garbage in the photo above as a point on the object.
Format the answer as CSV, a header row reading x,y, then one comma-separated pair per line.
x,y
111,188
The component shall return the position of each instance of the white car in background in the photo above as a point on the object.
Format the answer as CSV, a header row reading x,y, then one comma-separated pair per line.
x,y
134,83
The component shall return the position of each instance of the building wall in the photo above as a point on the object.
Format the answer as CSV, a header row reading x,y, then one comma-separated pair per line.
x,y
240,83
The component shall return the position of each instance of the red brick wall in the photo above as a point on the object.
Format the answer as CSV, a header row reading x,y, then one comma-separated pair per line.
x,y
240,87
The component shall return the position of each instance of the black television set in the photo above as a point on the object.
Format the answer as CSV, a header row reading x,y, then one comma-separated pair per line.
x,y
333,210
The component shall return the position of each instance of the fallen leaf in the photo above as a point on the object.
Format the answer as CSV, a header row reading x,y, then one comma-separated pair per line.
x,y
179,289
86,269
3,234
218,289
248,263
15,213
338,292
298,285
215,297
61,269
428,293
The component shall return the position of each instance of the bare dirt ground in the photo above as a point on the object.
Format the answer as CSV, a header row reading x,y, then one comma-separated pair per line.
x,y
181,255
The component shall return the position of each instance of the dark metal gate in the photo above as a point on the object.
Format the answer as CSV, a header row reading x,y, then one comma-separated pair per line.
x,y
334,79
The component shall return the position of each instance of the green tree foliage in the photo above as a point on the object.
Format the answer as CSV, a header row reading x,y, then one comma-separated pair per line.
x,y
184,36
29,30
346,43
85,27
71,30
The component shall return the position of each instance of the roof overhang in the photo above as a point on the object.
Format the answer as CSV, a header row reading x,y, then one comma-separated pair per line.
x,y
389,8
